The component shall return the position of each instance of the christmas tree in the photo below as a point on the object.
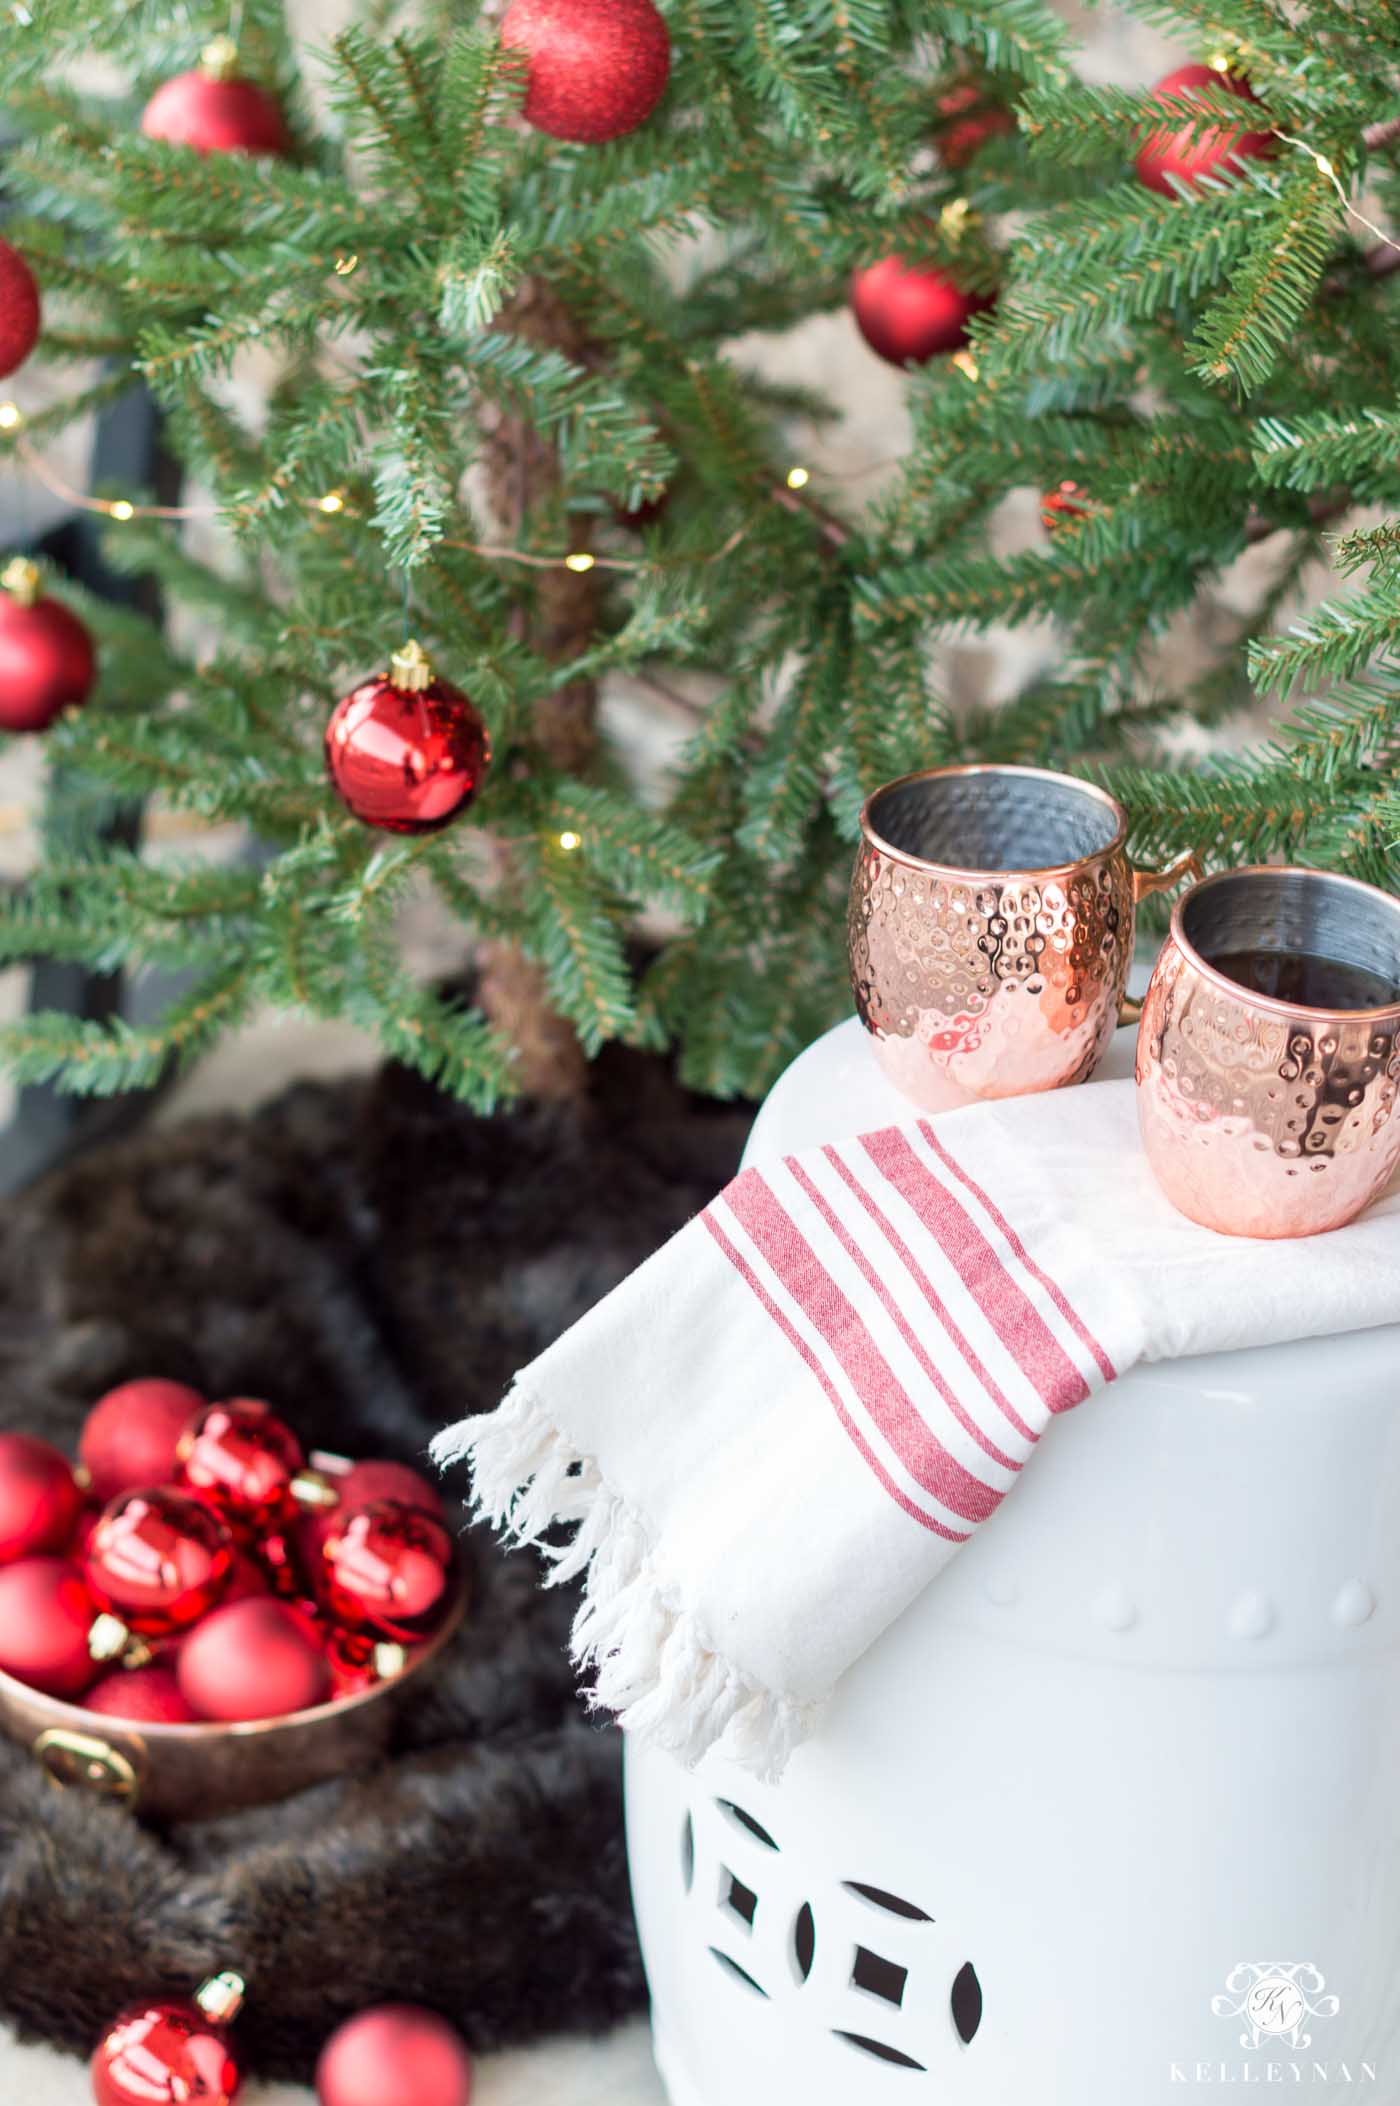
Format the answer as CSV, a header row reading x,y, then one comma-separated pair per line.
x,y
441,325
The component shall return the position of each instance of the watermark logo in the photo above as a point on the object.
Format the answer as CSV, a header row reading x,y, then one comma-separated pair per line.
x,y
1277,2000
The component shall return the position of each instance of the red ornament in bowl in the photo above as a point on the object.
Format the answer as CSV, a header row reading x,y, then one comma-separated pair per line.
x,y
258,1658
366,1482
406,751
240,1457
1188,155
158,1560
130,1436
911,312
394,2055
39,1501
388,1569
171,2050
146,1696
46,1615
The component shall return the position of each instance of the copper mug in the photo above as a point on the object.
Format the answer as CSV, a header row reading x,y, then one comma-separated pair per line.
x,y
990,930
1263,1116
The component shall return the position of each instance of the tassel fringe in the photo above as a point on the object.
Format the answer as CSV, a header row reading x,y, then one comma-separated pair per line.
x,y
652,1663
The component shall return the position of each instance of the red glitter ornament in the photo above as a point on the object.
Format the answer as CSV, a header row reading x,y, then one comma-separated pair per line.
x,y
19,309
39,1502
158,1559
388,1569
912,311
971,116
130,1436
406,751
47,662
240,1457
148,1696
216,112
255,1659
1063,505
46,1614
171,2050
596,68
394,2055
1188,156
365,1482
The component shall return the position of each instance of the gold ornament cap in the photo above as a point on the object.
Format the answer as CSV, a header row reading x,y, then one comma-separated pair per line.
x,y
390,1659
22,580
110,1640
315,1491
411,669
221,1997
219,59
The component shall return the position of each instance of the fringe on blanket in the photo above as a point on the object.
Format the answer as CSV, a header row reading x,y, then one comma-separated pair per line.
x,y
652,1664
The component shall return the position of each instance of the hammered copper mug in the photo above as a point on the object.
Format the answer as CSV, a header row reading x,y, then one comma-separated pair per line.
x,y
990,930
1263,1116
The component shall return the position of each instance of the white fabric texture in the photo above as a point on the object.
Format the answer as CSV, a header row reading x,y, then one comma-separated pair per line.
x,y
773,1436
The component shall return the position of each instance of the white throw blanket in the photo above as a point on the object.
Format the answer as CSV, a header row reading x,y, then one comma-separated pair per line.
x,y
777,1432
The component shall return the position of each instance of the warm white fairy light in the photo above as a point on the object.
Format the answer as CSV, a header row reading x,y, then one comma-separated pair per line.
x,y
580,560
120,509
333,501
11,416
798,478
569,840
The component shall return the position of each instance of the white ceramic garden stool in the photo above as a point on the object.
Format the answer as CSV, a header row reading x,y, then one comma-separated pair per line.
x,y
1112,1814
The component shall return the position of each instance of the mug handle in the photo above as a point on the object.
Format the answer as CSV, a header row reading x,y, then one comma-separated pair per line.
x,y
1145,883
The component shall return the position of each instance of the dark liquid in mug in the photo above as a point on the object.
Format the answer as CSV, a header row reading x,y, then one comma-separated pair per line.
x,y
1311,982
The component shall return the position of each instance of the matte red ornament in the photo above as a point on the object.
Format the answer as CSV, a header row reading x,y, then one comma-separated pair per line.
x,y
1063,505
394,2055
387,1568
241,1457
911,311
46,1613
47,662
406,751
39,1502
215,111
596,68
158,1559
171,2050
130,1436
1188,156
365,1482
148,1696
971,116
19,309
255,1659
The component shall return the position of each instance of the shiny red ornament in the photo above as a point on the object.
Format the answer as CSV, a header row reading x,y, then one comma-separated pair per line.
x,y
246,1580
970,115
19,309
359,1661
912,311
1188,156
387,1568
47,662
255,1659
394,2055
39,1502
365,1482
240,1457
159,1560
215,111
147,1696
1063,505
46,1614
171,2051
406,751
130,1436
596,68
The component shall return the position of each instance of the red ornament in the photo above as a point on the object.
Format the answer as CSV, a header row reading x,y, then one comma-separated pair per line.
x,y
387,1568
240,1457
171,2050
366,1482
246,1581
216,112
406,751
971,116
394,2055
1188,156
39,1502
912,311
597,68
130,1436
1063,505
359,1661
47,662
46,1613
255,1659
158,1560
145,1695
19,310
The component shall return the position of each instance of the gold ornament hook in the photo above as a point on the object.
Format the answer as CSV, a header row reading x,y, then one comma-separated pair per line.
x,y
411,669
221,1997
219,59
22,580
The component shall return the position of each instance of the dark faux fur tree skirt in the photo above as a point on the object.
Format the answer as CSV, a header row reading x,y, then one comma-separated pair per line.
x,y
375,1261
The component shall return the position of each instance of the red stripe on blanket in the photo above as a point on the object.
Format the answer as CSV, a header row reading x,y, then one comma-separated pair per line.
x,y
831,1313
794,1338
1003,1301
